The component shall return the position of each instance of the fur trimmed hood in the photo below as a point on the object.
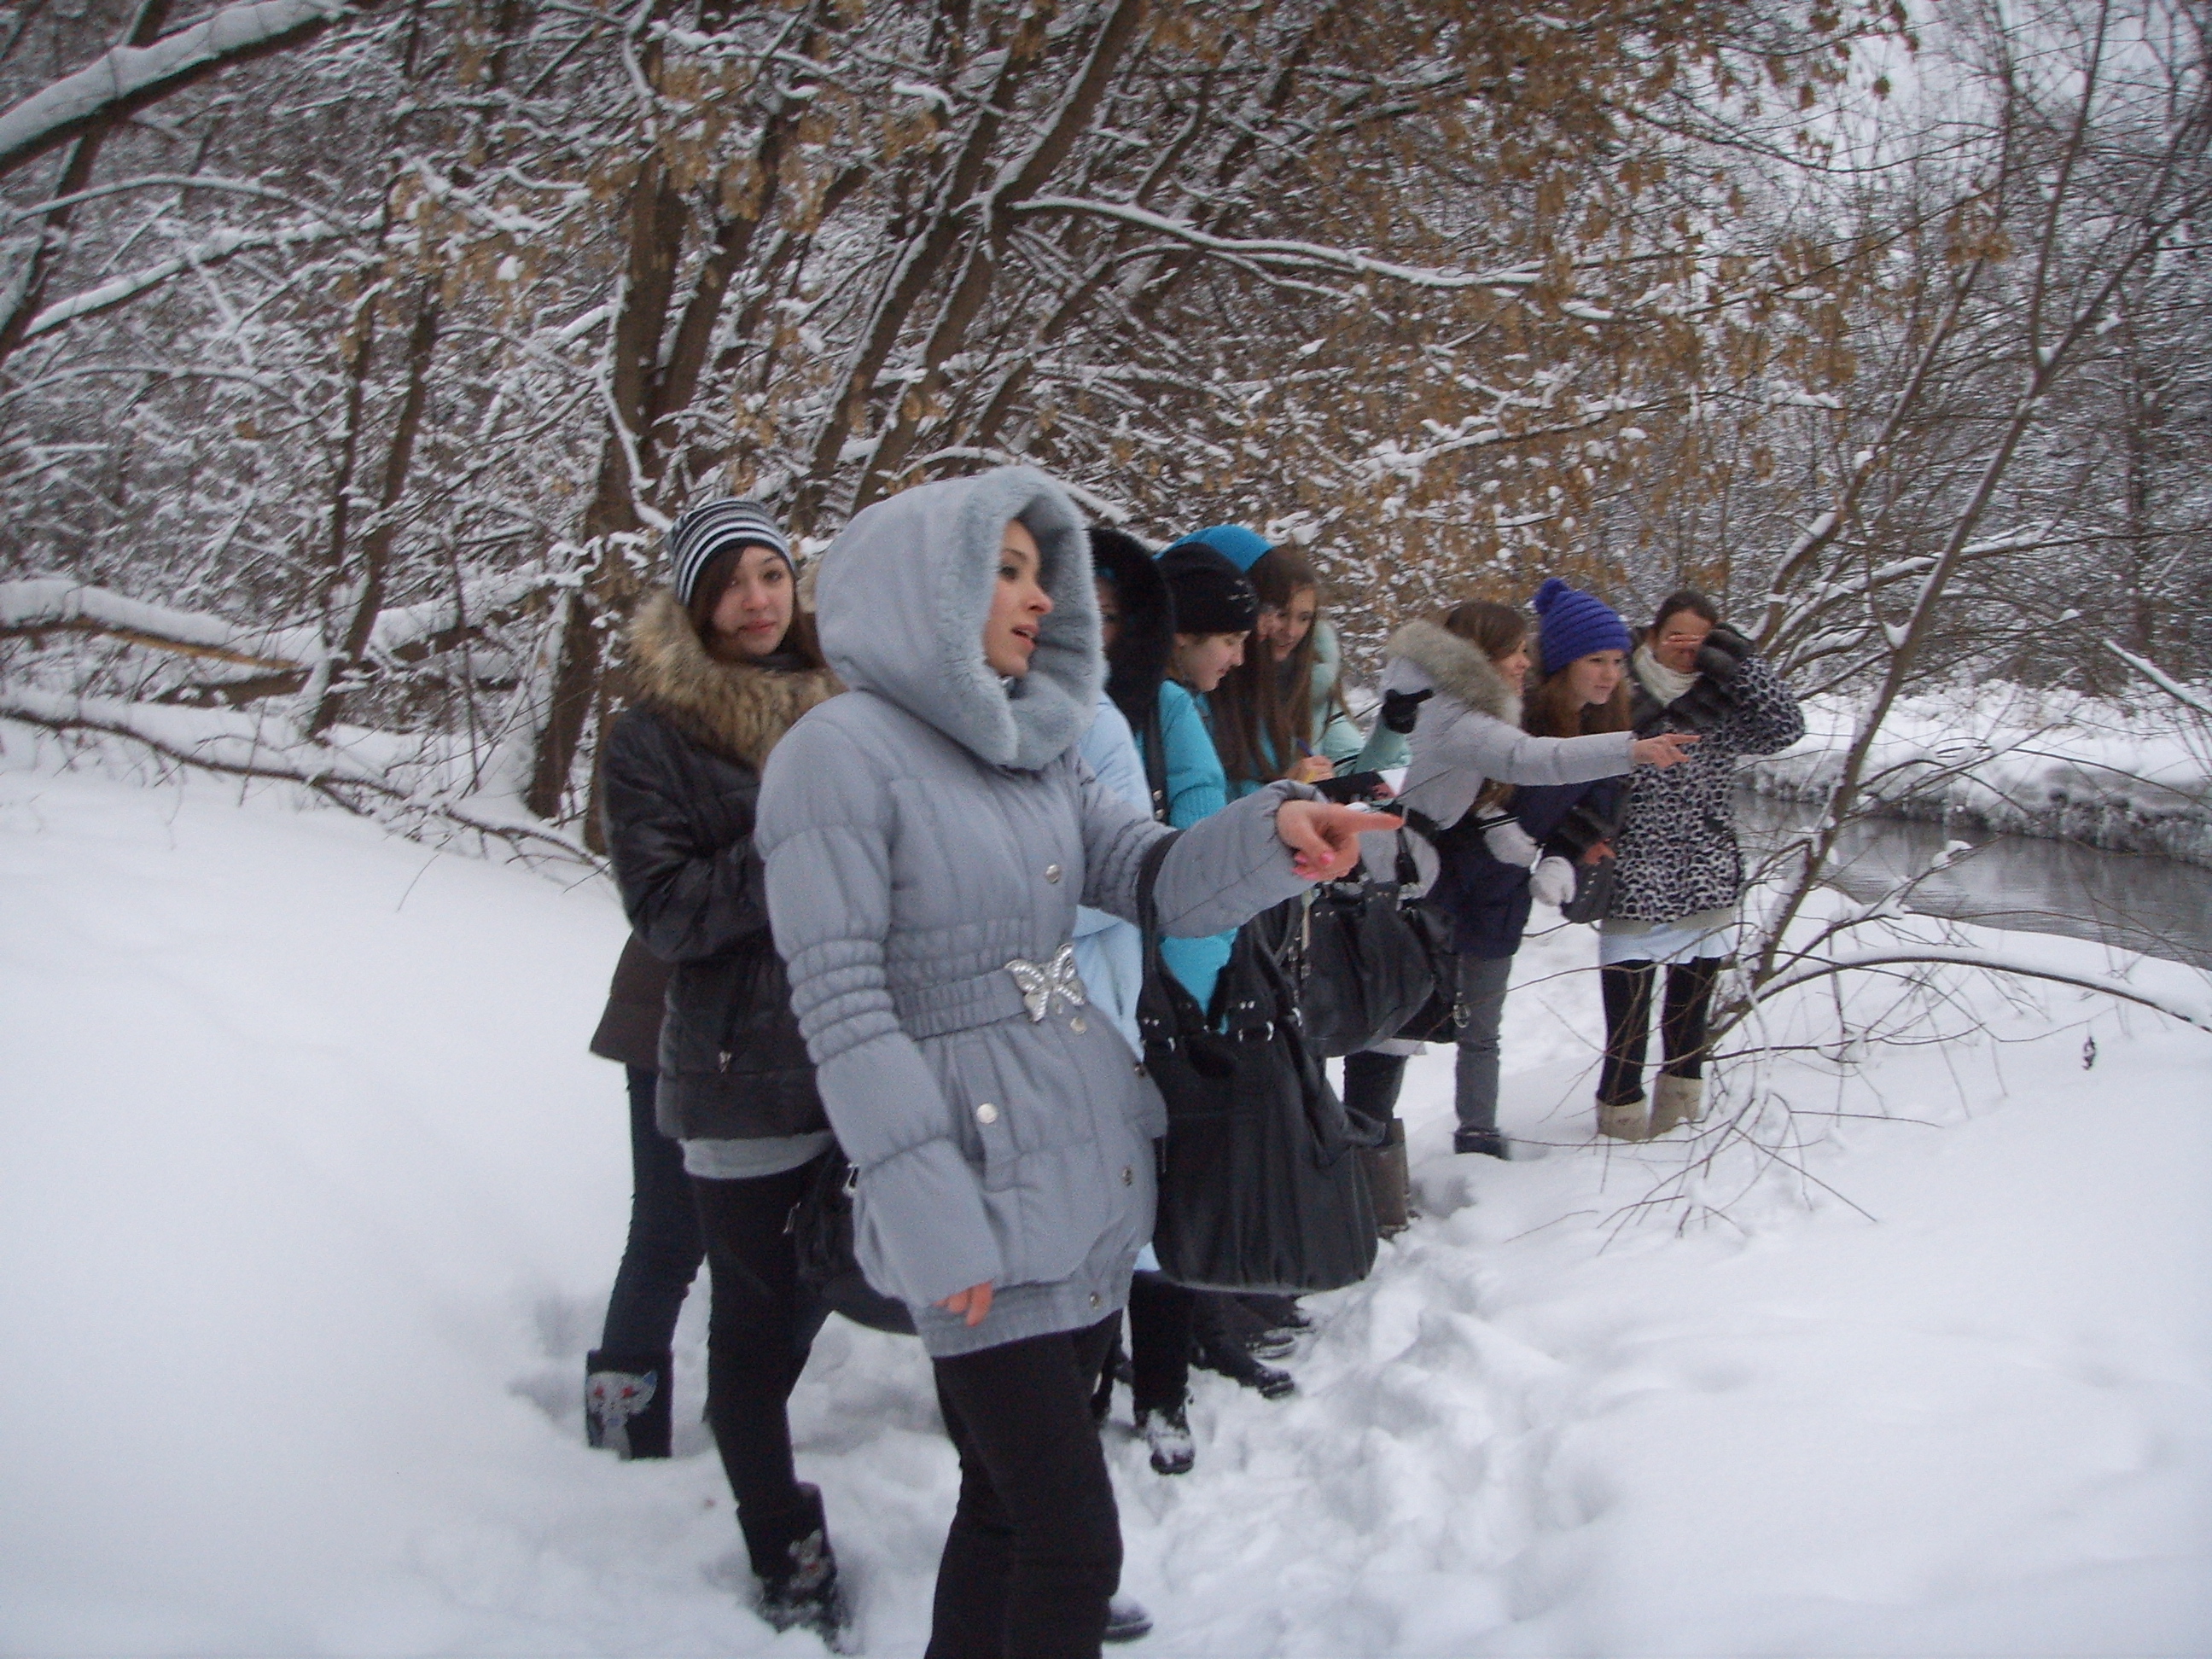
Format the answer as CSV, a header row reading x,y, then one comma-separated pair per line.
x,y
906,589
735,710
1454,666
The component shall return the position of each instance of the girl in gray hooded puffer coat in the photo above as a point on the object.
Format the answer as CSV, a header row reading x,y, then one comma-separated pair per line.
x,y
927,837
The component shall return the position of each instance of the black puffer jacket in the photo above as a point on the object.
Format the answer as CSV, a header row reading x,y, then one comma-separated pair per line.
x,y
681,781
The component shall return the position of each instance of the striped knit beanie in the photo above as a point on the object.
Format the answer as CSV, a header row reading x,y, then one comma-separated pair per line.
x,y
705,530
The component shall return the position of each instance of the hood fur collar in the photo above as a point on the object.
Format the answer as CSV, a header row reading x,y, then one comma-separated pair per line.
x,y
739,711
1458,669
906,588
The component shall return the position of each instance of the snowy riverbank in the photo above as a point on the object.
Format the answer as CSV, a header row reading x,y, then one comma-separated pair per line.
x,y
2132,777
313,1197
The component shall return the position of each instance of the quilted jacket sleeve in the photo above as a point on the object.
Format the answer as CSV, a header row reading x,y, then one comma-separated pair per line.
x,y
686,900
1223,871
827,819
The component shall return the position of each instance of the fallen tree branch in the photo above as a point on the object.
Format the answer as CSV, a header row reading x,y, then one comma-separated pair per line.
x,y
237,747
2196,1014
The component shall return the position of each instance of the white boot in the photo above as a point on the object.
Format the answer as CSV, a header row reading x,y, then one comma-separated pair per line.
x,y
1627,1123
1676,1100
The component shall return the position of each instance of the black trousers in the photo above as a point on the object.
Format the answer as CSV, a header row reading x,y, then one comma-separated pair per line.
x,y
758,1334
1034,1549
1159,1342
1628,988
1371,1082
662,1255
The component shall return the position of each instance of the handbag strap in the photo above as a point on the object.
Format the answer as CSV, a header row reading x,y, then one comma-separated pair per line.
x,y
1151,750
1158,1007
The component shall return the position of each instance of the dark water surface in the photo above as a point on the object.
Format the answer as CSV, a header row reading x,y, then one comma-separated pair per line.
x,y
2159,907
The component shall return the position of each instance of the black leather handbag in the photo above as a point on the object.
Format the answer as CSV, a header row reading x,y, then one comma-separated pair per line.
x,y
821,1229
1438,1019
1259,1189
1364,962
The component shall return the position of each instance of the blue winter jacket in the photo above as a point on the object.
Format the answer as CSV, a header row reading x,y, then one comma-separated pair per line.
x,y
1488,900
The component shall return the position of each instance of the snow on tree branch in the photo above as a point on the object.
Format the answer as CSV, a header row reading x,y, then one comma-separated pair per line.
x,y
2165,682
127,79
1271,252
2197,1014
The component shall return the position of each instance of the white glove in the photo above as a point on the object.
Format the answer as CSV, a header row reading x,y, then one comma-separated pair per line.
x,y
1552,881
1508,843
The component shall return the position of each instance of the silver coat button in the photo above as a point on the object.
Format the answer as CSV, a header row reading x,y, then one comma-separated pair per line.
x,y
1052,873
1128,1177
987,1114
1077,1025
1094,1298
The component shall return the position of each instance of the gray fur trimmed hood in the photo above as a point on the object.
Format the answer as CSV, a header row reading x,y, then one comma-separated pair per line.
x,y
1455,667
904,592
736,710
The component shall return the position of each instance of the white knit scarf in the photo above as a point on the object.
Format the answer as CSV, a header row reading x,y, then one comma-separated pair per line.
x,y
1660,681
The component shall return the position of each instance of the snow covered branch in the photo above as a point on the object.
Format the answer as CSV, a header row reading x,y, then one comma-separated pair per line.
x,y
256,746
127,79
1804,973
2165,682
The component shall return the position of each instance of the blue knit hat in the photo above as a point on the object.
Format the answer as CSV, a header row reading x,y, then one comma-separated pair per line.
x,y
705,530
1571,623
1240,546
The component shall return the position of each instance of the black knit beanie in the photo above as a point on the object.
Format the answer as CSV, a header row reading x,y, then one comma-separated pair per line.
x,y
1211,594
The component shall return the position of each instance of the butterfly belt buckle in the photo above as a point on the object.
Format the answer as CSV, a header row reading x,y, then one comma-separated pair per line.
x,y
1052,980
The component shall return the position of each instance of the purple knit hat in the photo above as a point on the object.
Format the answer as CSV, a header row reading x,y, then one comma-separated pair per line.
x,y
1571,623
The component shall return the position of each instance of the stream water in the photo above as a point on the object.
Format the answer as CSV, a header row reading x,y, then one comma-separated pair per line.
x,y
2159,907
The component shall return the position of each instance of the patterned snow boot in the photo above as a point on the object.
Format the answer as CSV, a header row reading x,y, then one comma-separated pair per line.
x,y
626,1403
1629,1121
797,1571
1676,1100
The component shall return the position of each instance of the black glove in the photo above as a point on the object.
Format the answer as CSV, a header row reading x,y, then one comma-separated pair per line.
x,y
1400,709
1723,654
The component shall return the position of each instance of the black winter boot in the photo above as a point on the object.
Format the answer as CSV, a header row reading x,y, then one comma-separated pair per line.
x,y
797,1571
1214,1347
626,1403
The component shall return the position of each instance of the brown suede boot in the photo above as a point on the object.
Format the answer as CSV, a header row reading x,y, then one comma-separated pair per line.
x,y
1676,1100
1389,1183
1627,1123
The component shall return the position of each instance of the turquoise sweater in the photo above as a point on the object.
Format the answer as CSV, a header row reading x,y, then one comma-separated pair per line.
x,y
1197,788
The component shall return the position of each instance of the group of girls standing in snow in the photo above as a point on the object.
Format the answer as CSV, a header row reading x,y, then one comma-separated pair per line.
x,y
882,862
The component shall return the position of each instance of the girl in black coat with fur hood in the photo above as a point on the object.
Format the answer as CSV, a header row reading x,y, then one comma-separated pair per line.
x,y
723,663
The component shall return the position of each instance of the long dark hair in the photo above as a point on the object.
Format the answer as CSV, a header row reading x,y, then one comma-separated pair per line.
x,y
1263,708
800,640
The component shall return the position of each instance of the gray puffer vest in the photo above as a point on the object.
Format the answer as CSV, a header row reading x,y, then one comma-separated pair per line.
x,y
928,836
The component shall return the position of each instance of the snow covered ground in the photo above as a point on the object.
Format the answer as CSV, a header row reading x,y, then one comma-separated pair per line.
x,y
2131,776
311,1199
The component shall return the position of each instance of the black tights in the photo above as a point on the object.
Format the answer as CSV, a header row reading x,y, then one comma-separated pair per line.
x,y
1627,986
